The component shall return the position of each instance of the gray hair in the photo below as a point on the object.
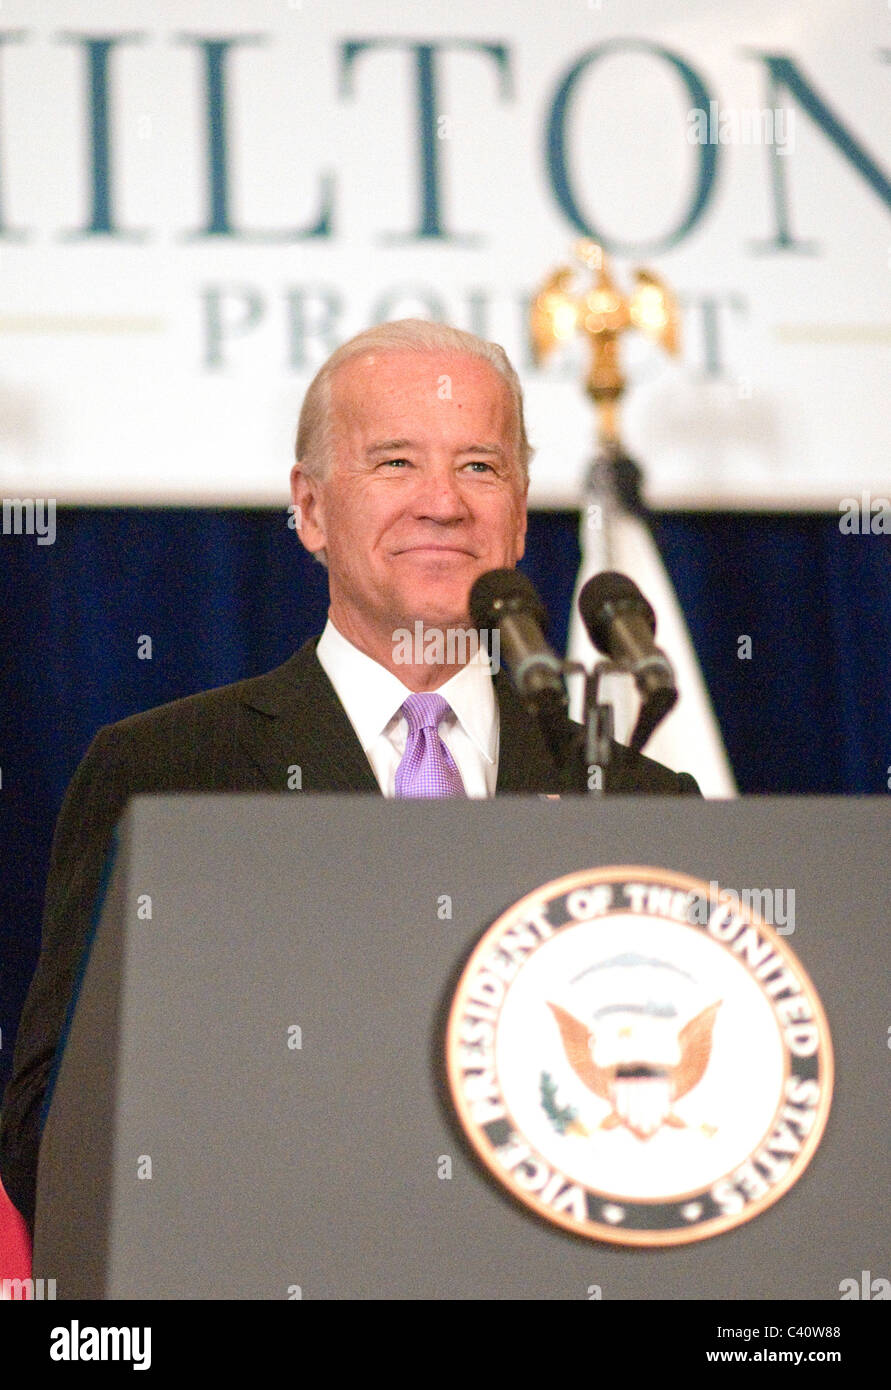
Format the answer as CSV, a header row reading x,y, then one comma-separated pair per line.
x,y
316,427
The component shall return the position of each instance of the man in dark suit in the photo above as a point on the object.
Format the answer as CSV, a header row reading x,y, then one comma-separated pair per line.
x,y
411,481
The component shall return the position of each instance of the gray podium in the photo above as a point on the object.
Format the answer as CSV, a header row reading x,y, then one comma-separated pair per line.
x,y
275,1168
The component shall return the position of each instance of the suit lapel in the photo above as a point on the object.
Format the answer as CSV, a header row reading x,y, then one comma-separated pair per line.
x,y
292,717
524,764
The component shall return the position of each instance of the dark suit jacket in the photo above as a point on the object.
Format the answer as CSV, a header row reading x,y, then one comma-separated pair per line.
x,y
243,737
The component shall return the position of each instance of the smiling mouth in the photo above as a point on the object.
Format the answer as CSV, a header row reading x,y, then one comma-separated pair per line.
x,y
435,550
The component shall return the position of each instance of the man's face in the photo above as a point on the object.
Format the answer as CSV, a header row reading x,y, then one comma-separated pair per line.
x,y
425,492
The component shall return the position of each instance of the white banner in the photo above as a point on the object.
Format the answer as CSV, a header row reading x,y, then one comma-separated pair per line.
x,y
199,201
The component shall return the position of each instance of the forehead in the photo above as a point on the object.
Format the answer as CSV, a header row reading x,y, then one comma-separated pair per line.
x,y
447,393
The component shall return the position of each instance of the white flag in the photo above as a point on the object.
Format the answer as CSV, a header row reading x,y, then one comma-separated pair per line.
x,y
688,739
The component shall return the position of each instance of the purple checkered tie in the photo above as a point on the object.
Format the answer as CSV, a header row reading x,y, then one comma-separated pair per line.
x,y
427,767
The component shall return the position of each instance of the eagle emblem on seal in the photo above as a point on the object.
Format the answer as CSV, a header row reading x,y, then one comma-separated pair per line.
x,y
640,1077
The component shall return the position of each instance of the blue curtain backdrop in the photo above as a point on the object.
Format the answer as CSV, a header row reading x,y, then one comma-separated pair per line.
x,y
228,594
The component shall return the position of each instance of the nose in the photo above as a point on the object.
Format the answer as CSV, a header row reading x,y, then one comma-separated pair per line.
x,y
439,496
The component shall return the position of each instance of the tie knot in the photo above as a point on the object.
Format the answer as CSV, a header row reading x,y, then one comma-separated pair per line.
x,y
425,711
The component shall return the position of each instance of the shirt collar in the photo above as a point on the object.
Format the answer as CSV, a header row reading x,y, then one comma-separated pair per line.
x,y
372,696
471,694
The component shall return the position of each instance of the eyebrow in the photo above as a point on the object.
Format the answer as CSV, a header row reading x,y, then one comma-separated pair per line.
x,y
387,446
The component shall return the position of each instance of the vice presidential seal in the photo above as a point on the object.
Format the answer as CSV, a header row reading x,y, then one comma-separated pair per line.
x,y
638,1057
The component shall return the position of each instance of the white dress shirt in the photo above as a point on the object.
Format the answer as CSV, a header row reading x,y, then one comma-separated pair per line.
x,y
373,697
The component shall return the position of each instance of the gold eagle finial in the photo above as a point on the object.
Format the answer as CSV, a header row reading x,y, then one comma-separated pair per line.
x,y
602,313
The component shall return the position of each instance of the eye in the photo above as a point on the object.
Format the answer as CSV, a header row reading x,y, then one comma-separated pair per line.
x,y
395,463
480,464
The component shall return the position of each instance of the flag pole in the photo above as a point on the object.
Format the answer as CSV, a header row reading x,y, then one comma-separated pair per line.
x,y
616,530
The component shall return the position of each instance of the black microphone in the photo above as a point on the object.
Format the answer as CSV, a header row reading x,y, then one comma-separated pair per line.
x,y
505,601
622,625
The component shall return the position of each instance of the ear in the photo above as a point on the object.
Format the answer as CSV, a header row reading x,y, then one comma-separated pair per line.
x,y
522,522
306,494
